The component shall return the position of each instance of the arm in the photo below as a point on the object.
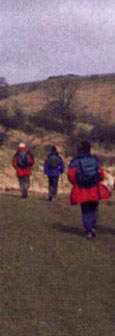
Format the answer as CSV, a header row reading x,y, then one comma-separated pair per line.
x,y
71,175
72,170
62,167
31,160
102,173
14,161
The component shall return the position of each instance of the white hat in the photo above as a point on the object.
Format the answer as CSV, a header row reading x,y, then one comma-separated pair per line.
x,y
22,145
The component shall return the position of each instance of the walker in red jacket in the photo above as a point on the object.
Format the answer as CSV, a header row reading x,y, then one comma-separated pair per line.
x,y
88,197
23,161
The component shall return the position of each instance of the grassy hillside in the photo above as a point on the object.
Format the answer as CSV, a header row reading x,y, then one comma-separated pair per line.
x,y
52,280
60,111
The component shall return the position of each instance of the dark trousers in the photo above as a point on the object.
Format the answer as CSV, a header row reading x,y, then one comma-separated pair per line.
x,y
89,215
24,183
52,186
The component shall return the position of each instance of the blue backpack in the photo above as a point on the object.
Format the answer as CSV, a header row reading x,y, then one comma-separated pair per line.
x,y
53,161
22,159
88,174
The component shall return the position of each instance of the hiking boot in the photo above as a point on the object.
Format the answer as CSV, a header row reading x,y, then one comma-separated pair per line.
x,y
89,236
24,194
54,199
94,233
50,198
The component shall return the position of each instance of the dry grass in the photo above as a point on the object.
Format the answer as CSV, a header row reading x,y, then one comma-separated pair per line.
x,y
96,99
95,96
90,95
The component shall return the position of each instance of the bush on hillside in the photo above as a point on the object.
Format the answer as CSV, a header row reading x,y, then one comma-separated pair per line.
x,y
4,117
87,117
3,88
55,117
103,133
33,86
3,138
45,122
15,120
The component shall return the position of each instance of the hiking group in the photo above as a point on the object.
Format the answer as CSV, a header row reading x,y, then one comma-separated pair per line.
x,y
84,173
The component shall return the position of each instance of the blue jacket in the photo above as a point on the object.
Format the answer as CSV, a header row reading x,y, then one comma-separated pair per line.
x,y
51,171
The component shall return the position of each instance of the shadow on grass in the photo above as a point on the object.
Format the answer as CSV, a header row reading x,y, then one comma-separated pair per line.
x,y
10,195
68,229
79,232
106,230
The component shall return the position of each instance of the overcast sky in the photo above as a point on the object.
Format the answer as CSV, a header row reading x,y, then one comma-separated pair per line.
x,y
42,38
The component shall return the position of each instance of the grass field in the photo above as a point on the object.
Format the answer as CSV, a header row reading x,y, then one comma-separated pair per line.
x,y
53,282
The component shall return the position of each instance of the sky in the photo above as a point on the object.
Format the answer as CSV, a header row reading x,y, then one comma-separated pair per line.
x,y
43,38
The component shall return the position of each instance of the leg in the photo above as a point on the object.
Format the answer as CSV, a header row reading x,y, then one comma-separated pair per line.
x,y
94,207
50,188
20,180
53,184
24,185
89,215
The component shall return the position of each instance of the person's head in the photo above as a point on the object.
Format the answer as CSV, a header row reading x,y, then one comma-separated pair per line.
x,y
21,146
53,149
84,147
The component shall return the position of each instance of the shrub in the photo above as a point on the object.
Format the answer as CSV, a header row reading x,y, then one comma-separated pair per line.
x,y
4,118
17,120
3,137
104,133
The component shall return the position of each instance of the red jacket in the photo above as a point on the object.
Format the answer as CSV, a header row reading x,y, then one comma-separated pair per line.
x,y
80,195
23,171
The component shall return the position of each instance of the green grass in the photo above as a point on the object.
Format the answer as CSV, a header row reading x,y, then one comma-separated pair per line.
x,y
53,282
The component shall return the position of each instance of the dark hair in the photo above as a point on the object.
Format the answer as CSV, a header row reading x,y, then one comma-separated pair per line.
x,y
84,147
53,149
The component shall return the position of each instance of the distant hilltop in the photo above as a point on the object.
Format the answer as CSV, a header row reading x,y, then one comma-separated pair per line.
x,y
92,94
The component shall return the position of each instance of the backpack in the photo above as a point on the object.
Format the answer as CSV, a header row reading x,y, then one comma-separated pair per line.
x,y
53,161
22,159
88,174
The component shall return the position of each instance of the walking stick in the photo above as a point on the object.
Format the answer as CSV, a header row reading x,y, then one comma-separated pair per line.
x,y
33,179
32,183
62,184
